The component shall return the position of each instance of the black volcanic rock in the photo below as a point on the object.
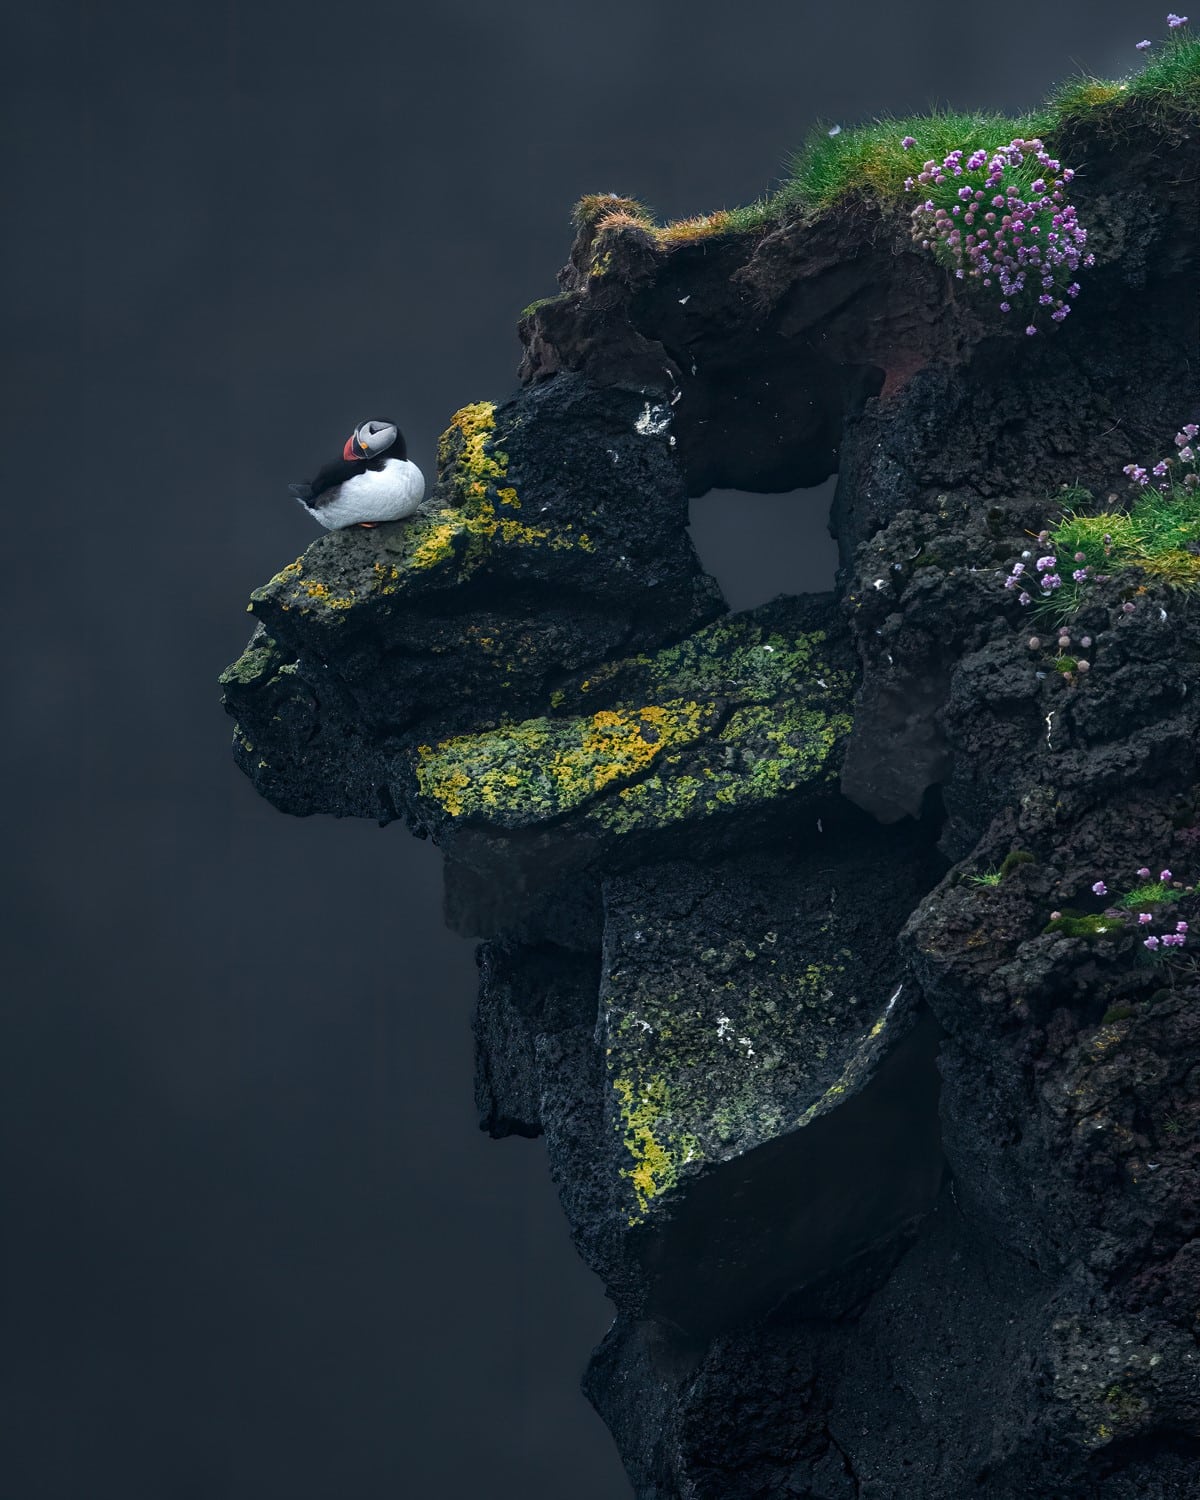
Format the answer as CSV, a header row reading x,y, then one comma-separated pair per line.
x,y
812,933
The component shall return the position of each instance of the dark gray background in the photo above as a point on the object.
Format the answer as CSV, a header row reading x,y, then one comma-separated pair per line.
x,y
255,1247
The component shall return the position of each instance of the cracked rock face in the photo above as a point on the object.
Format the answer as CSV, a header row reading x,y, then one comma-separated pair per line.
x,y
879,1120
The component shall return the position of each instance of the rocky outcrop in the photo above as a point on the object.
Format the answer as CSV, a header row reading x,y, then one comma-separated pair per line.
x,y
879,1120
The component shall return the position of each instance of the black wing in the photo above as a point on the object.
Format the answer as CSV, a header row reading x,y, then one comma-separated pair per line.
x,y
329,476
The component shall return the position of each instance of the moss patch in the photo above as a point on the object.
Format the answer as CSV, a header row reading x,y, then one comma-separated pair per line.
x,y
1073,924
259,662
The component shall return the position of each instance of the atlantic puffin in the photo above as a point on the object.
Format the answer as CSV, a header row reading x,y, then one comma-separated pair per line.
x,y
373,481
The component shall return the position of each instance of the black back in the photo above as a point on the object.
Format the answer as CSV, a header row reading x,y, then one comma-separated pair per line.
x,y
336,473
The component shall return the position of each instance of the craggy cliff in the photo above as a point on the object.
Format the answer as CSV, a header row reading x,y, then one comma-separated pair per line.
x,y
802,929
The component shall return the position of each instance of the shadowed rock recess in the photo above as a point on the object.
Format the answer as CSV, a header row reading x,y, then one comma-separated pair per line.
x,y
893,1178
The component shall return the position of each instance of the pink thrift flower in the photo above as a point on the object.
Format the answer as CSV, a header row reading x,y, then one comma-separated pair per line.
x,y
1100,889
1165,875
1150,942
1144,873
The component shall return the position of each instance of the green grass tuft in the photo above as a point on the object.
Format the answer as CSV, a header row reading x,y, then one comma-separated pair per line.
x,y
1152,893
1158,533
989,877
1172,72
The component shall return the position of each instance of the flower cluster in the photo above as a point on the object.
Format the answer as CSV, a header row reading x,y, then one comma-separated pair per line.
x,y
1046,576
1158,893
1137,474
1001,218
1158,531
1174,22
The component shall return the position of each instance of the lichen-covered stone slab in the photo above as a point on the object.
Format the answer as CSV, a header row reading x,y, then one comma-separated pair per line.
x,y
749,711
739,1004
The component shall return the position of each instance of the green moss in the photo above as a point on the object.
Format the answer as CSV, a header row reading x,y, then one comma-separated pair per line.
x,y
1116,1013
1014,858
540,302
1073,924
257,663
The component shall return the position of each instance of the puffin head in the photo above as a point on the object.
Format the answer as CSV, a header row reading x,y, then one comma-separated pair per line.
x,y
370,439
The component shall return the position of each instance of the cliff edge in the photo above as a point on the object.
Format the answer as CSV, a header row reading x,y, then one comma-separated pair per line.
x,y
816,939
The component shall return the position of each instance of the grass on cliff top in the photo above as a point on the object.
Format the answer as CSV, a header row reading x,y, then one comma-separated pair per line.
x,y
869,158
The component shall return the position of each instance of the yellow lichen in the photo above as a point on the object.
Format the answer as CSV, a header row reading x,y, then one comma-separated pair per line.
x,y
476,473
552,764
321,594
657,1152
463,449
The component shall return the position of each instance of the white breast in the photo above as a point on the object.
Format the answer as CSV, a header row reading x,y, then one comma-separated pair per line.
x,y
386,494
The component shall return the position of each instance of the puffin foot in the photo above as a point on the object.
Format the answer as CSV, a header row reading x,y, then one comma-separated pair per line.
x,y
368,525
